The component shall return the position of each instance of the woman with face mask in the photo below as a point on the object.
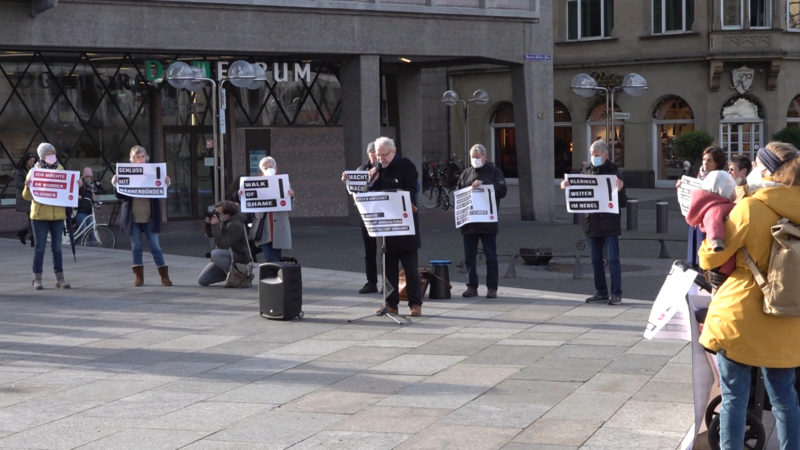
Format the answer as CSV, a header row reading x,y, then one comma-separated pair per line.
x,y
46,219
271,231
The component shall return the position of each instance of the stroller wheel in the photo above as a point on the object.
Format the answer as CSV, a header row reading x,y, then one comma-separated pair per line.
x,y
711,410
754,434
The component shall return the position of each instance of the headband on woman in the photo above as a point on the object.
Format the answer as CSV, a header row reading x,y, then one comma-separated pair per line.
x,y
769,159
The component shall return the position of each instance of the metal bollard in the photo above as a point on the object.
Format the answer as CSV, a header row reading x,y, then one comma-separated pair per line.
x,y
633,214
661,217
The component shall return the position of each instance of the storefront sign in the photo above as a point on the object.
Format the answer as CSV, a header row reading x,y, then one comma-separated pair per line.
x,y
154,69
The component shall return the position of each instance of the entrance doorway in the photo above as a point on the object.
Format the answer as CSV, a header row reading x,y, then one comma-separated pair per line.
x,y
188,152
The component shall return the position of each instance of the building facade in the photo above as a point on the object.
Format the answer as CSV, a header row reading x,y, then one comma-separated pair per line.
x,y
727,67
87,76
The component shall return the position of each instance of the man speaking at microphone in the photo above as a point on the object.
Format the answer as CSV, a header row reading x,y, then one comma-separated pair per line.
x,y
394,172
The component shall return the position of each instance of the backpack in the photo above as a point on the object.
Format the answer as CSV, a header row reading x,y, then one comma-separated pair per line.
x,y
781,287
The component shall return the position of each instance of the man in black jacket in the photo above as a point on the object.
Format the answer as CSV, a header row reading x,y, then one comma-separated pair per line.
x,y
370,243
602,231
230,243
398,173
481,173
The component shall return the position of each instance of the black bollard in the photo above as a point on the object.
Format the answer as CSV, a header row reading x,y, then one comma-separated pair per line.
x,y
661,217
633,214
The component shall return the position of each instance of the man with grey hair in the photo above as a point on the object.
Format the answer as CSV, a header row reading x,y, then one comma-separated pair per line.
x,y
602,231
394,172
481,173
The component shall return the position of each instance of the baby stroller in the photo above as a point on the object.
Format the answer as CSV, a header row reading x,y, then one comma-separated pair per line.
x,y
755,436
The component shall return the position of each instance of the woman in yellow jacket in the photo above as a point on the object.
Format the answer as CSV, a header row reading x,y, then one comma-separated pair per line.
x,y
46,219
736,328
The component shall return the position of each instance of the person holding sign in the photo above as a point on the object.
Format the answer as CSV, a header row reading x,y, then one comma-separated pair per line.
x,y
481,173
394,172
602,231
46,219
370,243
142,215
271,230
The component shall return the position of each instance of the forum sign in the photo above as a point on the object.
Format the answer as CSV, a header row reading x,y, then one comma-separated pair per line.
x,y
281,71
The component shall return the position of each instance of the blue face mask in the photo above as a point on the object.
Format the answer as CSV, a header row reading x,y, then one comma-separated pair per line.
x,y
597,160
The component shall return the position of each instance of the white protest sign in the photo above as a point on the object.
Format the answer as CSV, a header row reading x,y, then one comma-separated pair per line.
x,y
386,213
475,205
54,187
142,180
265,194
356,180
669,316
592,194
688,185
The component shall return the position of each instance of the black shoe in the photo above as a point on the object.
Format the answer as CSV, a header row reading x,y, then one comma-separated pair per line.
x,y
597,299
615,300
22,235
369,288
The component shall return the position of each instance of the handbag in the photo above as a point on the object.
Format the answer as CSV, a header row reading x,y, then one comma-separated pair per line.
x,y
240,275
425,276
781,286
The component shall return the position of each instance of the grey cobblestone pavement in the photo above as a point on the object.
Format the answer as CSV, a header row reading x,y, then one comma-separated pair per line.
x,y
108,365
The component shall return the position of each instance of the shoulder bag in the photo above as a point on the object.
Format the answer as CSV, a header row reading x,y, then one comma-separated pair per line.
x,y
240,275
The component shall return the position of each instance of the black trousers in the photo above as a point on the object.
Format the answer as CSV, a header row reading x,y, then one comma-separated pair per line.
x,y
370,255
392,263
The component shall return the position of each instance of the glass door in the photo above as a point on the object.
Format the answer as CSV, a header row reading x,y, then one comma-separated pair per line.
x,y
189,157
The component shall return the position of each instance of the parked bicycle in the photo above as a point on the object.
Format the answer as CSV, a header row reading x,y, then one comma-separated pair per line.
x,y
435,192
92,234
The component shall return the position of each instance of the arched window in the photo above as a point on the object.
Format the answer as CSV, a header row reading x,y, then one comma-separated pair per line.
x,y
562,139
741,128
503,139
597,123
793,114
672,117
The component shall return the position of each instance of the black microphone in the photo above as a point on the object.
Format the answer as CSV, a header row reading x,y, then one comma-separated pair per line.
x,y
374,176
378,166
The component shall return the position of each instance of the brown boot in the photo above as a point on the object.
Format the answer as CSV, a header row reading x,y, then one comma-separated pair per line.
x,y
138,272
164,272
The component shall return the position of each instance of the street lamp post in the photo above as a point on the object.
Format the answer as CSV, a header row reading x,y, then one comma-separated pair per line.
x,y
586,85
479,97
241,74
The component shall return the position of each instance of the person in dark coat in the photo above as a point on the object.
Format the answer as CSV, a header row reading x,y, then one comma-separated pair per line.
x,y
230,243
602,231
370,243
20,173
142,215
398,173
481,173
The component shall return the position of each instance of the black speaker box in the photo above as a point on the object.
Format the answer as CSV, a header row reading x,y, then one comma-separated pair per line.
x,y
280,290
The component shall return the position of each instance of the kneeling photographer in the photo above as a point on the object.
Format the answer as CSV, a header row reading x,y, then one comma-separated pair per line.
x,y
230,259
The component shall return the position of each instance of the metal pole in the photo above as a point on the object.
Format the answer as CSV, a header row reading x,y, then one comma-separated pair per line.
x,y
466,132
613,130
222,118
217,196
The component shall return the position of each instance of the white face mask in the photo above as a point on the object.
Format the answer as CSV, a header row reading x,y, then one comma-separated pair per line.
x,y
477,163
270,172
754,177
50,159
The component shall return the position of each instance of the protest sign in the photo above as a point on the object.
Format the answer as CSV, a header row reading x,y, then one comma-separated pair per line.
x,y
386,213
54,187
475,205
265,194
356,180
592,194
688,185
142,180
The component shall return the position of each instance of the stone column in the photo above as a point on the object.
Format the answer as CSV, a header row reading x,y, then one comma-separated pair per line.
x,y
360,79
409,98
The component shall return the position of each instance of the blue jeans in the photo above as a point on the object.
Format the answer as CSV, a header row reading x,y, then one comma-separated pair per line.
x,y
40,230
216,270
611,246
735,381
152,239
271,254
489,241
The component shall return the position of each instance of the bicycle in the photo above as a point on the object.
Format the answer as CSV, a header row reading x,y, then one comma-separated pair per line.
x,y
89,233
434,193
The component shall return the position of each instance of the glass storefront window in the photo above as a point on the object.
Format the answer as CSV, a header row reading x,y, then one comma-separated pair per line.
x,y
597,130
793,114
504,140
671,117
741,127
562,140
